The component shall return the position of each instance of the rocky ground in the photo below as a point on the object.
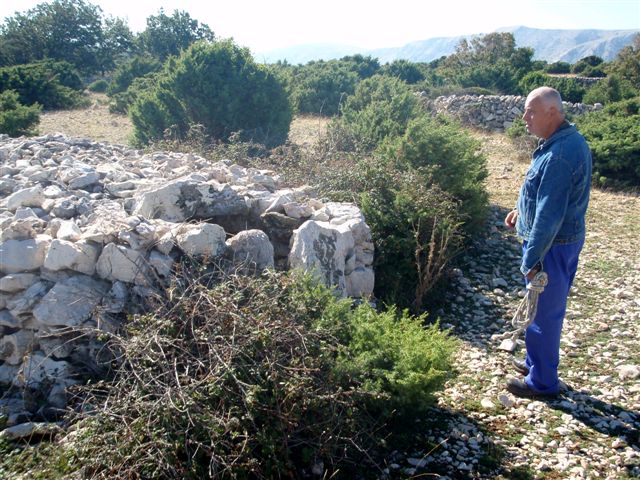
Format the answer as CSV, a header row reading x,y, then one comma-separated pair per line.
x,y
592,430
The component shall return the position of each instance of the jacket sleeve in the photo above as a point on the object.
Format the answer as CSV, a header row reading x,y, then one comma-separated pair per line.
x,y
551,207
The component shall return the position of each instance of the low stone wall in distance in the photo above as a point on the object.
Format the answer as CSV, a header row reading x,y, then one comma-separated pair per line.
x,y
492,112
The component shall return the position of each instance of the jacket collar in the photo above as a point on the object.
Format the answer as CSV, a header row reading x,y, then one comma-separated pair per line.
x,y
563,130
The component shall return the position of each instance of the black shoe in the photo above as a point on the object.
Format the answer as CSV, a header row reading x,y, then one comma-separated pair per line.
x,y
520,366
521,389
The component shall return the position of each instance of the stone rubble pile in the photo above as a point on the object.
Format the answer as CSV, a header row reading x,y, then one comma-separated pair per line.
x,y
88,227
492,112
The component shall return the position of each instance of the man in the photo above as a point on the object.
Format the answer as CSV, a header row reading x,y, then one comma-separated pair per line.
x,y
550,218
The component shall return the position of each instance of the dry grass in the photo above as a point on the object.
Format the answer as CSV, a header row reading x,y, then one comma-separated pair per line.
x,y
97,123
306,130
94,122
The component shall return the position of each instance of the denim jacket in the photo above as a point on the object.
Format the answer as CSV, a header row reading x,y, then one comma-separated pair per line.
x,y
554,196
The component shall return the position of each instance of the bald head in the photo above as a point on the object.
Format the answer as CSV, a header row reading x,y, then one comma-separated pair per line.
x,y
544,112
549,97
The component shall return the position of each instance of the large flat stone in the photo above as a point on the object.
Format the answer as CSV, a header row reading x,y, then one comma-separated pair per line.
x,y
70,302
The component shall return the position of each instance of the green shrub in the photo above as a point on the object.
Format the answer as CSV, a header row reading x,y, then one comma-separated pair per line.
x,y
253,377
447,90
517,130
380,108
364,67
421,193
17,119
395,358
404,70
583,65
627,63
121,102
597,71
54,85
220,87
321,89
447,155
570,89
523,142
436,198
614,138
558,67
415,228
99,86
609,90
499,78
127,72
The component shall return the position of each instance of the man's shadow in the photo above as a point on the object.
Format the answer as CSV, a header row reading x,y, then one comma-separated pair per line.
x,y
605,418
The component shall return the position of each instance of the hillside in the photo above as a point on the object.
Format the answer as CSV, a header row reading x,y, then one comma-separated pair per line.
x,y
478,430
567,45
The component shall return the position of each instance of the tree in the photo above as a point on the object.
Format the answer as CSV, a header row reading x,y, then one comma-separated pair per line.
x,y
380,108
627,63
490,61
404,70
321,87
584,63
118,43
219,87
166,35
64,30
365,67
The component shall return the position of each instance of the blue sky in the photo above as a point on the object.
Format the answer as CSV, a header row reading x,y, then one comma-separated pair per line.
x,y
263,25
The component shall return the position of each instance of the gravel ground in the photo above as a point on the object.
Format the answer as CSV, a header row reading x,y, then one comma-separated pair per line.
x,y
591,430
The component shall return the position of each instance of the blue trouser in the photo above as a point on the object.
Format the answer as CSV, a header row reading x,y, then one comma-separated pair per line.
x,y
542,337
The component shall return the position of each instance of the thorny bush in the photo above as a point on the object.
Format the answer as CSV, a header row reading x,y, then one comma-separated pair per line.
x,y
254,377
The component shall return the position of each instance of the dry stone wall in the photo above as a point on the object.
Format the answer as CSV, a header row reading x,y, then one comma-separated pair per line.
x,y
492,112
88,227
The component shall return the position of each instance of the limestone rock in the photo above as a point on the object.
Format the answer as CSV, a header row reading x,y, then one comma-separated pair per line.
x,y
161,263
68,230
23,255
70,302
56,345
8,373
251,249
360,282
26,225
8,320
116,299
117,262
202,240
16,282
30,430
182,200
630,372
38,368
23,302
27,197
297,210
14,347
323,249
79,256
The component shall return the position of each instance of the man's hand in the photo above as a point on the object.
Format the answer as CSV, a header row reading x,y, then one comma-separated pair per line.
x,y
533,272
511,218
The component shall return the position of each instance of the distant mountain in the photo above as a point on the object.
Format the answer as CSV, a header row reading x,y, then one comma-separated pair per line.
x,y
572,45
550,45
305,53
